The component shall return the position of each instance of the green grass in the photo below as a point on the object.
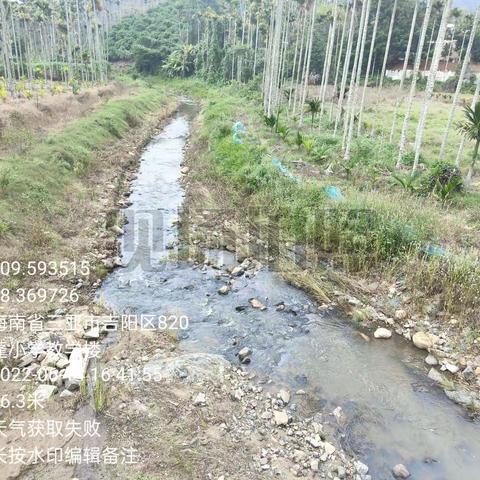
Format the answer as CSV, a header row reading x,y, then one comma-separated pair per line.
x,y
36,183
374,228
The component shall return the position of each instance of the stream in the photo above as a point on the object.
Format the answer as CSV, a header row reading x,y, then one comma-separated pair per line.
x,y
392,412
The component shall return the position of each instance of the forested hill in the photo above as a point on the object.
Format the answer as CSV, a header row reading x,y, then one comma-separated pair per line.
x,y
169,33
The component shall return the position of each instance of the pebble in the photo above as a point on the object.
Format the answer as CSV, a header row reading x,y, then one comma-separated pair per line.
x,y
284,396
200,400
431,360
361,468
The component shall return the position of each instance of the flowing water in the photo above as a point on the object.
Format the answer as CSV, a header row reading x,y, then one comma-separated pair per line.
x,y
392,412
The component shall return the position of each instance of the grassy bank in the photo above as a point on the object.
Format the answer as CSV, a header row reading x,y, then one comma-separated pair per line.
x,y
55,196
368,232
36,181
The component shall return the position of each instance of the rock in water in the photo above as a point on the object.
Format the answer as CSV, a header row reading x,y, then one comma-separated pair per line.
x,y
400,471
244,353
257,304
237,272
224,290
424,340
382,333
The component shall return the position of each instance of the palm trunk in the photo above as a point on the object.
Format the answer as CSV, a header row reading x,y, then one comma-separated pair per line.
x,y
430,84
387,47
307,63
357,75
369,66
413,85
346,66
461,78
294,68
404,71
339,64
430,44
449,54
329,62
301,61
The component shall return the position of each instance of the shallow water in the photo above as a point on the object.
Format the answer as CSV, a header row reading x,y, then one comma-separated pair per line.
x,y
392,411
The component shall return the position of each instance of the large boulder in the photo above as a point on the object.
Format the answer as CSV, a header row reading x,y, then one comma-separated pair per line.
x,y
424,340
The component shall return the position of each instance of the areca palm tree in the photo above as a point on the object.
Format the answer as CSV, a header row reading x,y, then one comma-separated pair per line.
x,y
313,107
470,128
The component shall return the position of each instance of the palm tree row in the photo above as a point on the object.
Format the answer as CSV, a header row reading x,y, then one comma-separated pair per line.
x,y
58,40
349,58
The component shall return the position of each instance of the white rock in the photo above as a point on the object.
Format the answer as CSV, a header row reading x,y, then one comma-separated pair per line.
x,y
66,394
244,353
62,363
315,441
280,417
341,472
92,334
284,396
224,290
431,360
50,359
400,314
237,272
382,333
400,471
257,304
76,370
200,400
451,368
44,392
329,448
315,465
